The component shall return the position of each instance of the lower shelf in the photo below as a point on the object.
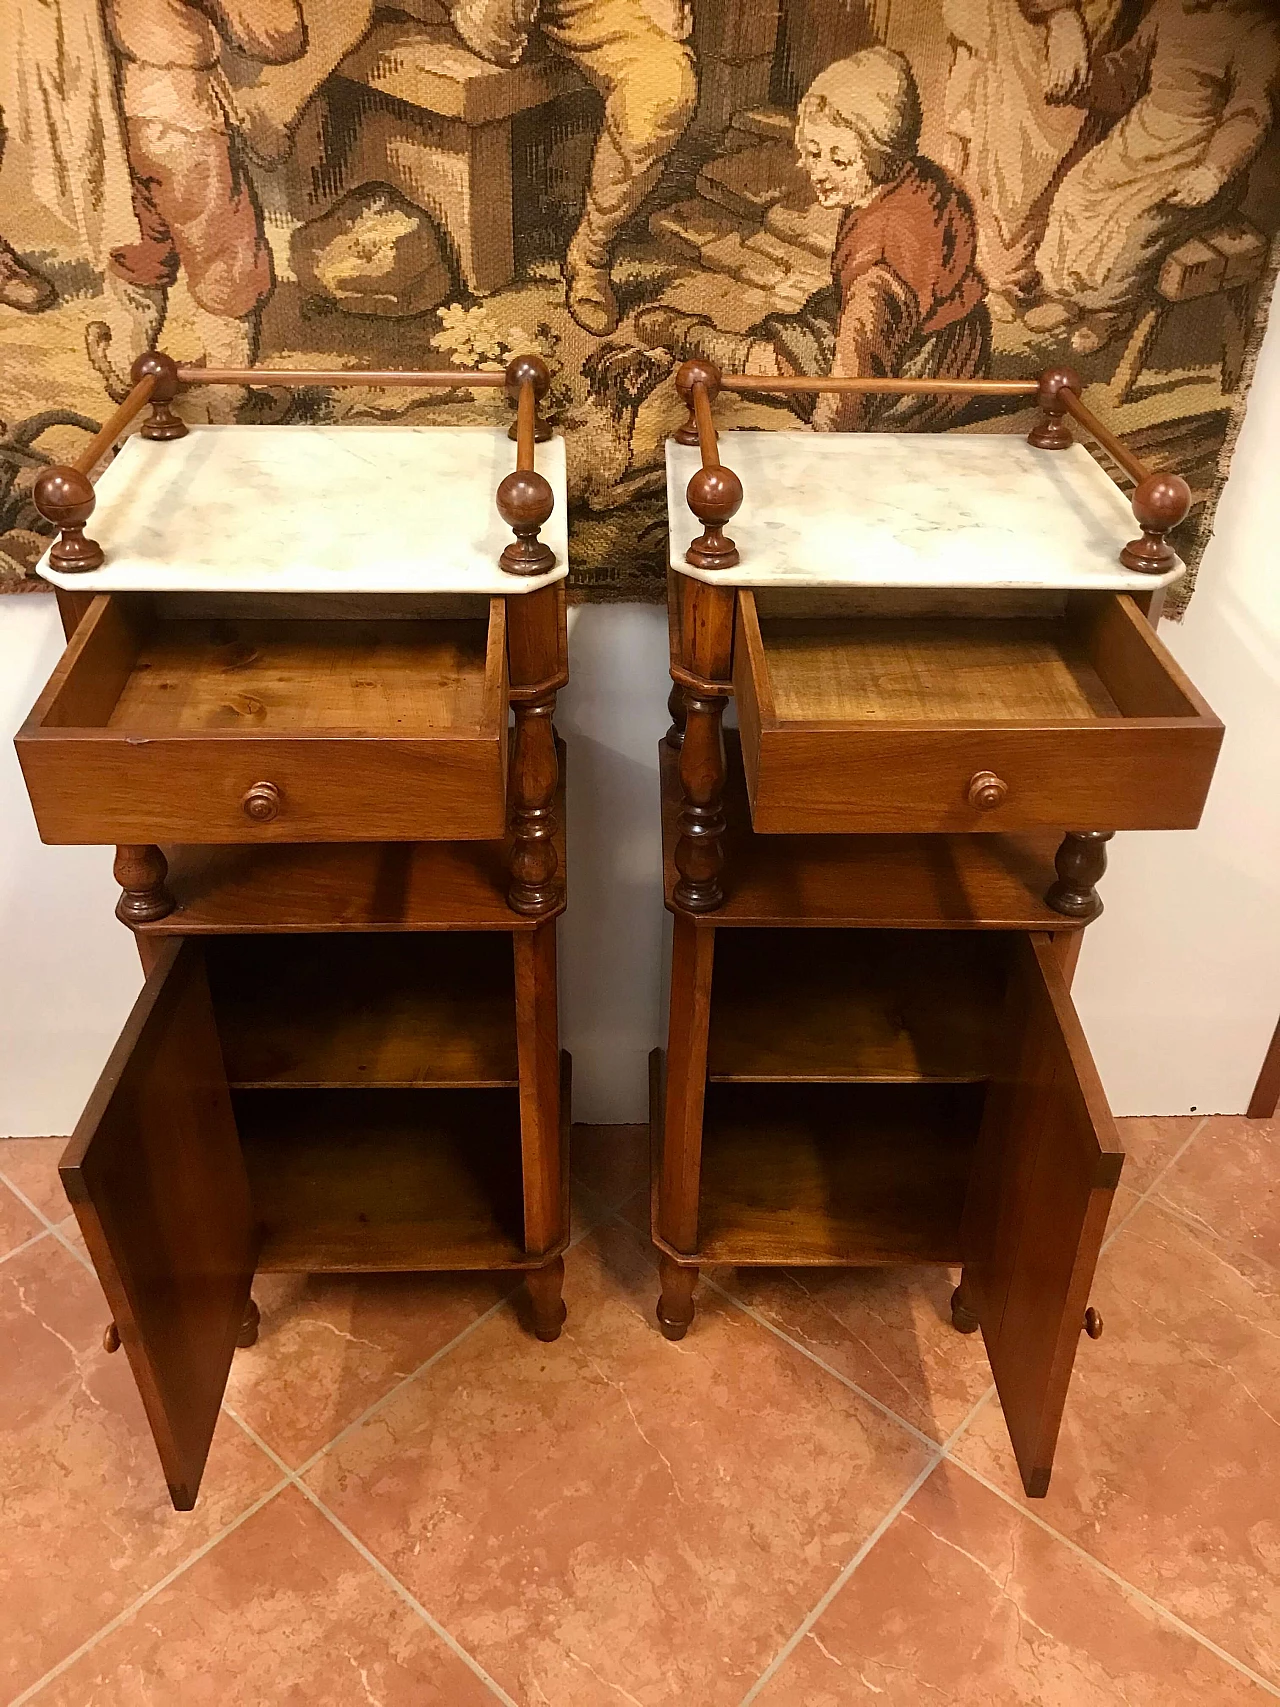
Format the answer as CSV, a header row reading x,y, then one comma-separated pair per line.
x,y
835,1174
353,1180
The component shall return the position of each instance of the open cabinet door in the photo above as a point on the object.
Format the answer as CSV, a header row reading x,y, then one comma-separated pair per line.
x,y
1044,1173
156,1178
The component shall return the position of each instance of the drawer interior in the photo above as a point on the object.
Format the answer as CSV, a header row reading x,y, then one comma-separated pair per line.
x,y
1066,659
157,668
374,1080
847,1073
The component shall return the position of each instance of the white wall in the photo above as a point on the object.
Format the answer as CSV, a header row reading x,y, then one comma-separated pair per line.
x,y
68,971
1178,985
1179,981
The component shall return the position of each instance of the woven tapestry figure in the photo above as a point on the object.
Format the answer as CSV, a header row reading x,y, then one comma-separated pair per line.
x,y
923,188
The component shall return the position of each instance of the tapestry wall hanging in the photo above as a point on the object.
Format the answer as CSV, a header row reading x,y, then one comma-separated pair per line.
x,y
918,187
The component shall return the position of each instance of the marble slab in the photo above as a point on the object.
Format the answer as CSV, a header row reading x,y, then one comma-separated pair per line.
x,y
353,509
927,510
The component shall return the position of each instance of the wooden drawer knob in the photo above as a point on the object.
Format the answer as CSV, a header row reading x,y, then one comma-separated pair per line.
x,y
262,802
111,1338
1093,1323
986,790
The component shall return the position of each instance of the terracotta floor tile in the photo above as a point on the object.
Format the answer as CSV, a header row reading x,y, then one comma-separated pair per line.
x,y
1227,1191
1150,1142
87,1522
614,1518
329,1346
1168,1467
611,1161
32,1165
17,1223
888,1329
284,1611
964,1601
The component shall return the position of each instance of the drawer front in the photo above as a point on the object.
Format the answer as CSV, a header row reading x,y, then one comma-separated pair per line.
x,y
1112,776
98,787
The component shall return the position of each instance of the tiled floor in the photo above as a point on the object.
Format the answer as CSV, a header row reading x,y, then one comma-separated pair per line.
x,y
809,1502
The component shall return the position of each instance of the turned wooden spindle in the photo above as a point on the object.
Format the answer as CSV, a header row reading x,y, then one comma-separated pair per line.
x,y
1160,503
1080,862
676,710
545,1286
1053,431
699,852
675,1303
161,423
715,492
141,871
64,496
530,371
535,774
525,499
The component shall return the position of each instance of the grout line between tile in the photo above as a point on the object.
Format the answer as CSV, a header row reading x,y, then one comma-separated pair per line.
x,y
436,1356
26,1244
387,1576
899,1506
49,1226
149,1594
844,1380
1120,1582
1176,1157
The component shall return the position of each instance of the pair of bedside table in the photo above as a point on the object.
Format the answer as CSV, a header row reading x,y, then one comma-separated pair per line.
x,y
346,1054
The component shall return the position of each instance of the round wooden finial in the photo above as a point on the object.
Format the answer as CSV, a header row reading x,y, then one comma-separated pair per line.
x,y
161,423
525,501
1160,502
697,371
521,370
1051,431
163,368
64,497
714,496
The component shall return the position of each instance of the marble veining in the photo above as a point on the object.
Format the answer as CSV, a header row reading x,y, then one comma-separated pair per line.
x,y
913,510
372,509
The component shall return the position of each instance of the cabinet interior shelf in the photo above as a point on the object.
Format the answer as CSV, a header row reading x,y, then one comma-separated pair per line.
x,y
334,1011
365,1181
835,1174
855,1006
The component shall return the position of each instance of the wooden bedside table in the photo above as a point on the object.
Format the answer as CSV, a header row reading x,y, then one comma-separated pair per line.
x,y
296,657
949,699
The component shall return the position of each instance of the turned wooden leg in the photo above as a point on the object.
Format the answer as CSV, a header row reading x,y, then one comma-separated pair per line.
x,y
699,853
248,1334
675,1306
141,871
545,1286
963,1318
675,705
535,774
1080,863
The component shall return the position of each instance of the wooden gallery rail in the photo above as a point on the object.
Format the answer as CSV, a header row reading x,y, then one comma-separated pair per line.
x,y
1160,501
64,496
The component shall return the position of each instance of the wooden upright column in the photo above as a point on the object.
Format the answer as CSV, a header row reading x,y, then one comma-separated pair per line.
x,y
703,671
539,668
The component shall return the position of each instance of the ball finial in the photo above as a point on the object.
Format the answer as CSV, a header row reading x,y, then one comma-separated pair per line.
x,y
64,497
528,369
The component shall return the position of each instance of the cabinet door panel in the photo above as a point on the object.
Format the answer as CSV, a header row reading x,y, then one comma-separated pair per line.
x,y
1044,1173
156,1177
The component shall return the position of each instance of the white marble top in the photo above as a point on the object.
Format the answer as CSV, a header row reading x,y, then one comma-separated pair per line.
x,y
912,510
366,509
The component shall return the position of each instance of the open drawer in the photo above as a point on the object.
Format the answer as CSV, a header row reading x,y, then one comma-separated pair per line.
x,y
1074,717
230,1133
876,1098
162,726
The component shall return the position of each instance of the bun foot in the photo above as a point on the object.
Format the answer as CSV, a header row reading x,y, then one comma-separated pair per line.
x,y
248,1333
963,1319
545,1286
675,1306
